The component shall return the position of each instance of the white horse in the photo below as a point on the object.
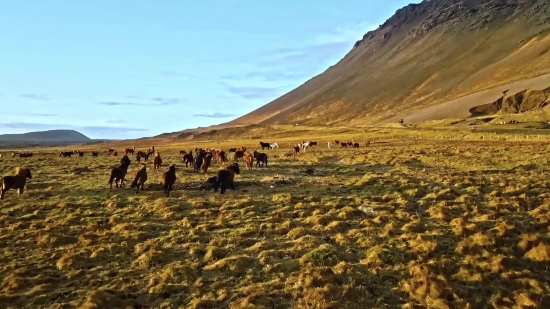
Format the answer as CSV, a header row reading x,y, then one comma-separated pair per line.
x,y
274,145
305,145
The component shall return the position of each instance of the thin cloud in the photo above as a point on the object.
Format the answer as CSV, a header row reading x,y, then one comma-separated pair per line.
x,y
115,121
33,126
269,76
113,103
167,101
32,114
153,102
34,96
215,115
253,93
103,129
313,53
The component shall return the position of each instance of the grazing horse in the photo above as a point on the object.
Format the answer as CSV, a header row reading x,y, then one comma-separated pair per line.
x,y
226,176
312,143
80,154
114,153
239,154
260,158
130,150
157,162
232,150
198,161
65,153
368,143
274,145
110,150
249,159
344,144
168,179
337,142
118,173
17,181
265,145
206,163
243,148
355,145
142,155
183,152
140,177
305,145
296,150
95,153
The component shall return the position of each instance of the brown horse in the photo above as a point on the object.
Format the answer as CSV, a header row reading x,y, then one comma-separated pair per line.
x,y
221,157
114,153
260,158
95,153
296,150
168,179
157,162
65,153
142,155
355,145
188,159
249,159
226,176
118,173
140,177
130,150
206,163
239,154
17,181
183,152
368,143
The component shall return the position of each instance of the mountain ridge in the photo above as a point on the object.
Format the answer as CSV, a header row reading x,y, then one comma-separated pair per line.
x,y
425,54
46,136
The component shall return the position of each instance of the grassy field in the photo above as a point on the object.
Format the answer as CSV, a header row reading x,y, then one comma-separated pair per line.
x,y
445,224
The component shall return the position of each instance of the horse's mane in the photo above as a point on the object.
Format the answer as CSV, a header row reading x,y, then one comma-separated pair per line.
x,y
21,171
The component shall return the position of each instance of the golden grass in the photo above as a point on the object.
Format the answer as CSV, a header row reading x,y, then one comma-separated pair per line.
x,y
450,224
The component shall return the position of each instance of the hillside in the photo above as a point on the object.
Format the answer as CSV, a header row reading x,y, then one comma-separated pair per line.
x,y
47,136
424,55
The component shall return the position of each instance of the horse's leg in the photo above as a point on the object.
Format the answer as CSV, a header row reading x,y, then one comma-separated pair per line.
x,y
2,191
232,185
20,191
223,187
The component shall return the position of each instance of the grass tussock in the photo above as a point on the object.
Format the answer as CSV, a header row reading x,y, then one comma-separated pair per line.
x,y
443,224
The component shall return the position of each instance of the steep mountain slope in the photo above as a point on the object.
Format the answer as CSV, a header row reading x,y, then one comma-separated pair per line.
x,y
47,136
426,54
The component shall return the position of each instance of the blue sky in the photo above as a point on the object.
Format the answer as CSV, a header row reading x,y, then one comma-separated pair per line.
x,y
129,69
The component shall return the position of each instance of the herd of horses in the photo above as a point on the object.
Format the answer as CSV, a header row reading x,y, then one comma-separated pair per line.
x,y
200,159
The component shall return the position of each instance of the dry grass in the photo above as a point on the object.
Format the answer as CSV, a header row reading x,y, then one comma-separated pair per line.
x,y
452,224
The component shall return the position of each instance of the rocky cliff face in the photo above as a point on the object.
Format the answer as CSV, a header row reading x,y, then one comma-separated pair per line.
x,y
425,54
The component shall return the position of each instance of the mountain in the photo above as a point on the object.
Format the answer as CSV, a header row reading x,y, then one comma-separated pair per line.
x,y
47,136
424,55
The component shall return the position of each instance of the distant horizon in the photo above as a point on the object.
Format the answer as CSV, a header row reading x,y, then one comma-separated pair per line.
x,y
141,69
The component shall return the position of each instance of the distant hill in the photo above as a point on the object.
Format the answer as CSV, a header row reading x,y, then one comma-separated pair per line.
x,y
426,54
65,136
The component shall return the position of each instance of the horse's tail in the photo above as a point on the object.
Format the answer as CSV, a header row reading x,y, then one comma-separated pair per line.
x,y
135,182
112,176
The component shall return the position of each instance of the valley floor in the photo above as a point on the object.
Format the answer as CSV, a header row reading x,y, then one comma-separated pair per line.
x,y
445,224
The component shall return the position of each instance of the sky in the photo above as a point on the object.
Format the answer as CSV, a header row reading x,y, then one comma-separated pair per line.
x,y
128,69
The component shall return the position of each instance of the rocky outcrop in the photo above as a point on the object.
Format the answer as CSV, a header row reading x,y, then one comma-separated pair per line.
x,y
467,15
523,101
